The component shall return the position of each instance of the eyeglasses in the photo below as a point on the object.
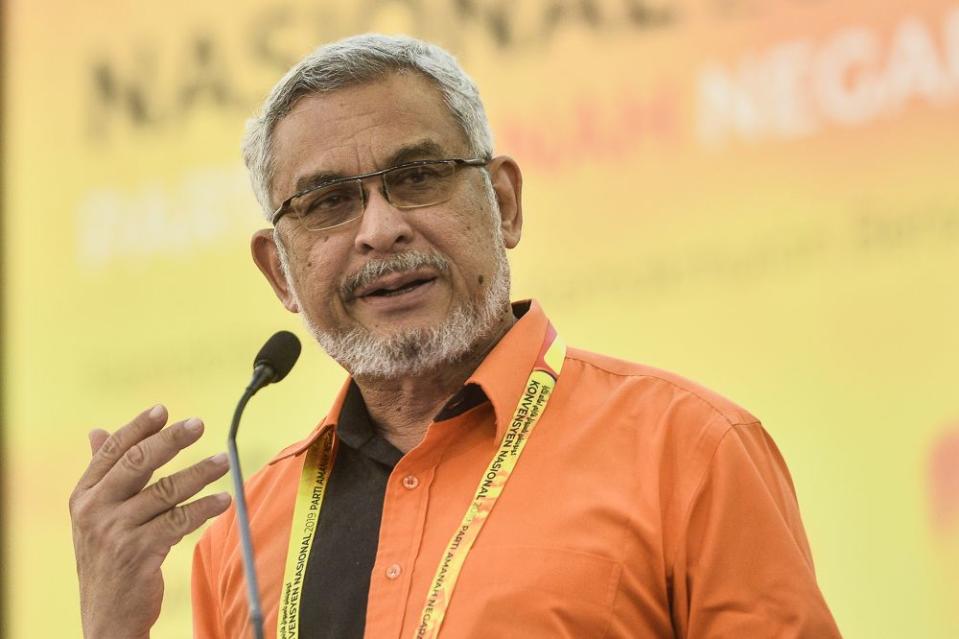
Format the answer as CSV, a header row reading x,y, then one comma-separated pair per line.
x,y
406,186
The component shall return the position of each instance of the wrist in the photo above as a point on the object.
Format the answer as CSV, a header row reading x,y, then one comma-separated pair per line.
x,y
111,631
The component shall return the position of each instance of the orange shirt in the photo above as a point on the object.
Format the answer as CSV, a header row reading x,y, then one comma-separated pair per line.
x,y
643,506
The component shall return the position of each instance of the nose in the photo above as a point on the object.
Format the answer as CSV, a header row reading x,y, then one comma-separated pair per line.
x,y
383,228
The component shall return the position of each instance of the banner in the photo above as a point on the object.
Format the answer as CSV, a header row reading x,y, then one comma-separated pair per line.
x,y
760,196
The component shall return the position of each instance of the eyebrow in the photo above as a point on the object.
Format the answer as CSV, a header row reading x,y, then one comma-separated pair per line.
x,y
425,149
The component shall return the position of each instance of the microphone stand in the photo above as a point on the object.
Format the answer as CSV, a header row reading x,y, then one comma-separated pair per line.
x,y
262,375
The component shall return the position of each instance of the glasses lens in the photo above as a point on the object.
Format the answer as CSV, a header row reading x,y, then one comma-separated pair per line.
x,y
328,206
420,185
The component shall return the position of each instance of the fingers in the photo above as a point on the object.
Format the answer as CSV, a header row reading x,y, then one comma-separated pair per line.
x,y
118,559
134,468
171,526
174,489
115,446
97,437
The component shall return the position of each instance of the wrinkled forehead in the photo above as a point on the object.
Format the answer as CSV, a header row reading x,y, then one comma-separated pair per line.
x,y
362,128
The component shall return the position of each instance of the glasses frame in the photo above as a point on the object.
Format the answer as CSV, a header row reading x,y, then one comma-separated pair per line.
x,y
285,208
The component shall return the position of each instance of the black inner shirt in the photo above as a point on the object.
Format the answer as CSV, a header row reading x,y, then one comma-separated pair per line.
x,y
338,571
344,546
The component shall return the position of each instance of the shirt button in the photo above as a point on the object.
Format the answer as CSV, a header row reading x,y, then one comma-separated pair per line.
x,y
411,482
393,571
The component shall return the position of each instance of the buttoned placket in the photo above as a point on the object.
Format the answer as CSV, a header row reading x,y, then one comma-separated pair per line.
x,y
401,531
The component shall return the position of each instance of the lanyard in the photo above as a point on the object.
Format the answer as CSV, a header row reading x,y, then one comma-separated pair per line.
x,y
319,464
309,500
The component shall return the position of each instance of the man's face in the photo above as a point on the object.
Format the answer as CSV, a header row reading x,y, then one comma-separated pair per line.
x,y
442,261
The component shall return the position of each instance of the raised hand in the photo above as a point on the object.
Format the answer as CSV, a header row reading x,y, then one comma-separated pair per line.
x,y
124,529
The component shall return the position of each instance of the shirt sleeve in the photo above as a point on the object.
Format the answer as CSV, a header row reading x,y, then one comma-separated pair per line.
x,y
207,621
744,568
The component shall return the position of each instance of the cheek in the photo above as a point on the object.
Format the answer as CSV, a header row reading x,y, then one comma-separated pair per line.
x,y
315,274
315,271
476,265
471,244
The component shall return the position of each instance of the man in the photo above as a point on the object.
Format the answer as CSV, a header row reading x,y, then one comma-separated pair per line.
x,y
474,478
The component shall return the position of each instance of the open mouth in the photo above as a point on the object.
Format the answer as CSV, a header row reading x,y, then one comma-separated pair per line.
x,y
400,289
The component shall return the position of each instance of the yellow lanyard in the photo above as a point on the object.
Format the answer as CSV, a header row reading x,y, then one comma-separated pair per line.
x,y
319,464
306,513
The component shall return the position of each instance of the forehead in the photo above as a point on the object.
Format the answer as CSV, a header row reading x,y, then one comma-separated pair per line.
x,y
357,129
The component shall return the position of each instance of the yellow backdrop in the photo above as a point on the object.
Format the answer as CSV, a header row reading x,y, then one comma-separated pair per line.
x,y
759,195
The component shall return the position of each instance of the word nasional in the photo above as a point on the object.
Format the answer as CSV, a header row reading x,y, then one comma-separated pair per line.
x,y
147,85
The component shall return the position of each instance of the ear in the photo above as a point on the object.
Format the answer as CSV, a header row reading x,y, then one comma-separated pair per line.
x,y
507,182
266,254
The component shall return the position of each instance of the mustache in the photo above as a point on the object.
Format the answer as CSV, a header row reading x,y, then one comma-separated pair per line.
x,y
398,263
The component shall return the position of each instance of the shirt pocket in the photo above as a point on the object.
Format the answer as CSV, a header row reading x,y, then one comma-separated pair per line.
x,y
532,592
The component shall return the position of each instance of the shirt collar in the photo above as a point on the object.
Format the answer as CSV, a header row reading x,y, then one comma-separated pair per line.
x,y
501,376
328,422
355,429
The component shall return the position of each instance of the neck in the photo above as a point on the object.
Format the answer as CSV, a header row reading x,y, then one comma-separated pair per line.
x,y
402,408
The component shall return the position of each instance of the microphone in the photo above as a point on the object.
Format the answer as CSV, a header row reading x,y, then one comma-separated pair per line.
x,y
274,360
271,364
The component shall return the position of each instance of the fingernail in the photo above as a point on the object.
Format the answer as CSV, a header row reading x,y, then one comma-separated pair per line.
x,y
219,459
193,425
156,412
223,498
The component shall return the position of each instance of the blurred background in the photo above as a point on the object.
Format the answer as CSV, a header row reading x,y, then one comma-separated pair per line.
x,y
761,195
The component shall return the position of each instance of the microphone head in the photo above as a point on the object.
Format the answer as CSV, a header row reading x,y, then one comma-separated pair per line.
x,y
279,353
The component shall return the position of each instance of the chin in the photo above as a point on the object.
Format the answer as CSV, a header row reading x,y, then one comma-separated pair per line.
x,y
420,345
414,348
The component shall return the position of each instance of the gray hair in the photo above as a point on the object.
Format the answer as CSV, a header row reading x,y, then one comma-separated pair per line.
x,y
357,60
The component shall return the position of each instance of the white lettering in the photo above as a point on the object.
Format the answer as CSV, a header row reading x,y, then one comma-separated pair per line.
x,y
727,104
845,78
160,219
852,77
787,76
913,70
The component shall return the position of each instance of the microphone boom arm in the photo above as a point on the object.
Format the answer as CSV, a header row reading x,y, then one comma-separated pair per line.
x,y
262,375
272,364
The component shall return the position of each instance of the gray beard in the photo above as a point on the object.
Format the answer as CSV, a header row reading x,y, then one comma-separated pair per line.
x,y
420,350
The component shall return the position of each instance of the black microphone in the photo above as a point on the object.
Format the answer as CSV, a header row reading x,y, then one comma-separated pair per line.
x,y
272,363
274,360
